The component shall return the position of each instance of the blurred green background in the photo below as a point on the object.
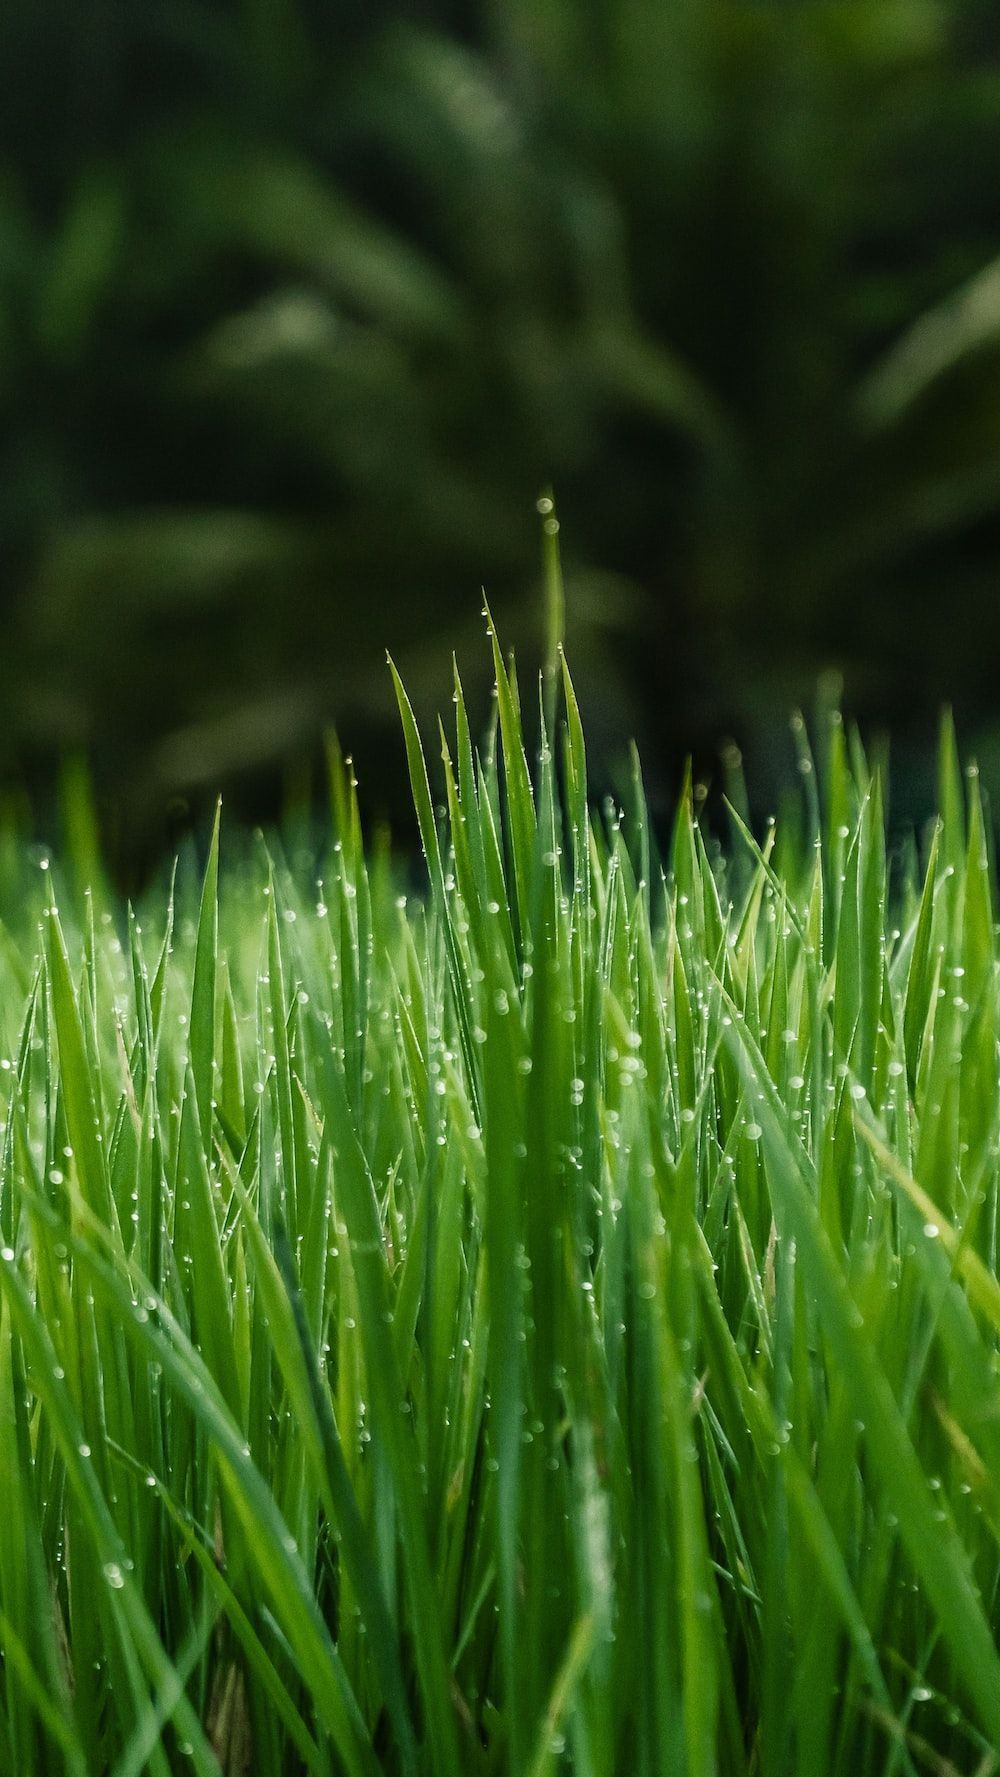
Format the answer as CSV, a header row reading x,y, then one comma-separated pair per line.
x,y
303,304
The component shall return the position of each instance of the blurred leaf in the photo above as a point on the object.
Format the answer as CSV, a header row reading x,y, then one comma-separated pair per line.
x,y
84,260
967,323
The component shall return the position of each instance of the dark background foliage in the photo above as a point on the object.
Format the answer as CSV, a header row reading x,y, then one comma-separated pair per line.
x,y
301,306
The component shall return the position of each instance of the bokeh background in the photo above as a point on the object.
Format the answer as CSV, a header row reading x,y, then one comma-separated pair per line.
x,y
302,304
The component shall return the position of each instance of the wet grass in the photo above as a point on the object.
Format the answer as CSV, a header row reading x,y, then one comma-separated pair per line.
x,y
546,1325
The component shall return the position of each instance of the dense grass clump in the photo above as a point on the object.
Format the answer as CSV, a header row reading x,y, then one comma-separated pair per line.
x,y
546,1325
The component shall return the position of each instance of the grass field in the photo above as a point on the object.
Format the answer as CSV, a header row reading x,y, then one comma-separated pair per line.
x,y
545,1324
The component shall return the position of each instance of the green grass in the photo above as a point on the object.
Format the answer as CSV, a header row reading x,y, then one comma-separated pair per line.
x,y
545,1324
